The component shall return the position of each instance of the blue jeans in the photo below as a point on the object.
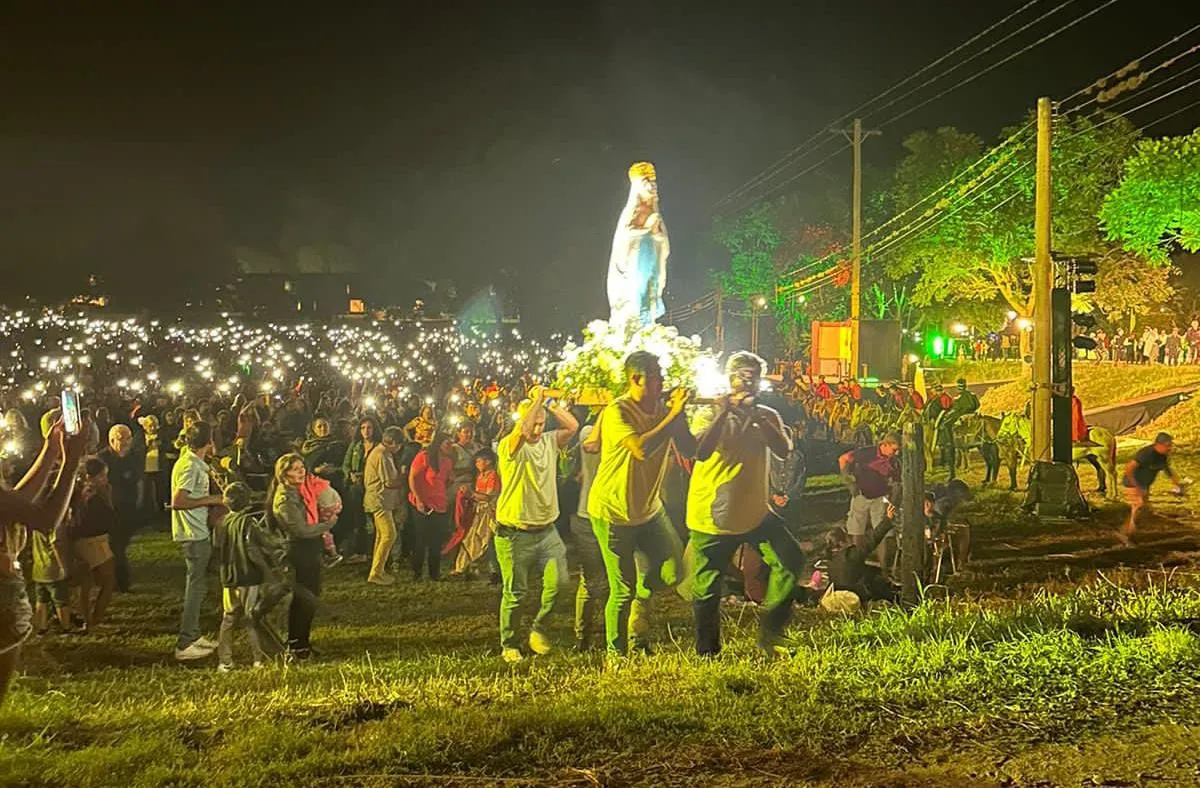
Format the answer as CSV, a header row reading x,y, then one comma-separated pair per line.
x,y
196,554
628,583
521,554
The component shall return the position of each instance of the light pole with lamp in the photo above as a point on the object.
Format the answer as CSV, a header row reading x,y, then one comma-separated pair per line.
x,y
757,304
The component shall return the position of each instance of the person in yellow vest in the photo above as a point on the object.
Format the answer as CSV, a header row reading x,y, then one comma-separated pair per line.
x,y
634,438
729,505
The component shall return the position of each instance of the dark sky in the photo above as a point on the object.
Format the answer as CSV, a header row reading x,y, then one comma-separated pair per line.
x,y
145,141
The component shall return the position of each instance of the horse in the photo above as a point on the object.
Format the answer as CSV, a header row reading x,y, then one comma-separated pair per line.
x,y
978,431
1102,457
1014,439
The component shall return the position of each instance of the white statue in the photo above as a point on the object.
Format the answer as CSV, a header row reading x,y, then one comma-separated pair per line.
x,y
637,267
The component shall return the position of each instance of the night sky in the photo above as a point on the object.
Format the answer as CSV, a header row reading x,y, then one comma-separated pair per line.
x,y
146,141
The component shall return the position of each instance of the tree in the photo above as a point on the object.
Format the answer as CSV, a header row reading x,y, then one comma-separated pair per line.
x,y
975,241
770,240
1156,207
1128,286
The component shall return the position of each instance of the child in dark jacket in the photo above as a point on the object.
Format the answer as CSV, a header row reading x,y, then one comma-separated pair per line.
x,y
250,561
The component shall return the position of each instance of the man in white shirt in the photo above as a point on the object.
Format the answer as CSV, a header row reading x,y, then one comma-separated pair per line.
x,y
190,509
526,512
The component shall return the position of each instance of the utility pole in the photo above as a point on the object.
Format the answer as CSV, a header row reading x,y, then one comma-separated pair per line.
x,y
856,135
720,328
1043,283
756,307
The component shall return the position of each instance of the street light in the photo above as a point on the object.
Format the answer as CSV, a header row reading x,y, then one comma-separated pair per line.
x,y
757,304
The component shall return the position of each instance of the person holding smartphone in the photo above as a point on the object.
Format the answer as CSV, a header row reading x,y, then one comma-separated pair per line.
x,y
25,506
729,505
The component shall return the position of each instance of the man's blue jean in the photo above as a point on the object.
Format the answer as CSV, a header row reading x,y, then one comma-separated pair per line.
x,y
521,554
196,554
630,585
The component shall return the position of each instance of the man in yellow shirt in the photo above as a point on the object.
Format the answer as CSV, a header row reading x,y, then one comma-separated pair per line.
x,y
634,437
728,505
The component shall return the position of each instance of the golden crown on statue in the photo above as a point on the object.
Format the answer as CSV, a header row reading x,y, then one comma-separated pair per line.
x,y
643,169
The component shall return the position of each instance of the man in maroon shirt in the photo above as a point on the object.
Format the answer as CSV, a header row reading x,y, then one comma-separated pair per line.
x,y
872,473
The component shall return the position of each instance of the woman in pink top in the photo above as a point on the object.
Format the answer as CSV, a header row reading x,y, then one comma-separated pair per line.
x,y
427,481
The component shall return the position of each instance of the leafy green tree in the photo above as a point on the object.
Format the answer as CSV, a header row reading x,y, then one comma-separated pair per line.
x,y
770,240
1128,286
975,242
1156,207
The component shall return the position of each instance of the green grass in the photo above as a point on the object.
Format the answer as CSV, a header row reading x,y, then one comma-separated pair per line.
x,y
975,371
409,690
1097,385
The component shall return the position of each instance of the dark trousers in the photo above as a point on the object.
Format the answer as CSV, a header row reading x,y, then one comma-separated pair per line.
x,y
119,537
711,553
592,595
351,529
305,557
430,532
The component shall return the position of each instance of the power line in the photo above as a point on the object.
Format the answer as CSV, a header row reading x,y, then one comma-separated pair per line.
x,y
996,65
1100,83
882,251
782,162
981,52
802,173
940,189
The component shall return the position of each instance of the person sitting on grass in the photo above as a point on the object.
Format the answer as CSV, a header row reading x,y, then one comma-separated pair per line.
x,y
250,563
848,568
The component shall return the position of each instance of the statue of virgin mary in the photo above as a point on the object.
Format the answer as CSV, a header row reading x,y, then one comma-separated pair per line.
x,y
637,267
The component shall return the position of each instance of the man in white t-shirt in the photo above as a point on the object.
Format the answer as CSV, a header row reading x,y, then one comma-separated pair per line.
x,y
526,511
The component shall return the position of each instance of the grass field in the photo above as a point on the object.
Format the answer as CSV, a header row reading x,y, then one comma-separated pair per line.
x,y
975,371
1040,671
1097,385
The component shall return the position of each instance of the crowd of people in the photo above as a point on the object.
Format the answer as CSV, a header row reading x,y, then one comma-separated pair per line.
x,y
269,486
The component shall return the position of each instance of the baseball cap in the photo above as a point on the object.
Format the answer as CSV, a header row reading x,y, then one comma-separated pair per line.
x,y
1164,438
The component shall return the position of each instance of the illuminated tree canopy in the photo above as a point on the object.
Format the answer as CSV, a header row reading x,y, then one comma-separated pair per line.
x,y
1156,207
980,245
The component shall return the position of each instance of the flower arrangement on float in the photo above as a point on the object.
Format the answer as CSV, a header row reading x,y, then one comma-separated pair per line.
x,y
595,369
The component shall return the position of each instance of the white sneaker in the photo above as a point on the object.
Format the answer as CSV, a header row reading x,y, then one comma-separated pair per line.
x,y
539,643
192,652
512,655
225,667
203,641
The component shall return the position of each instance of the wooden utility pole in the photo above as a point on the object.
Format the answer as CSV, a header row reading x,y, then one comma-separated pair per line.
x,y
754,310
912,514
1043,283
856,135
720,328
